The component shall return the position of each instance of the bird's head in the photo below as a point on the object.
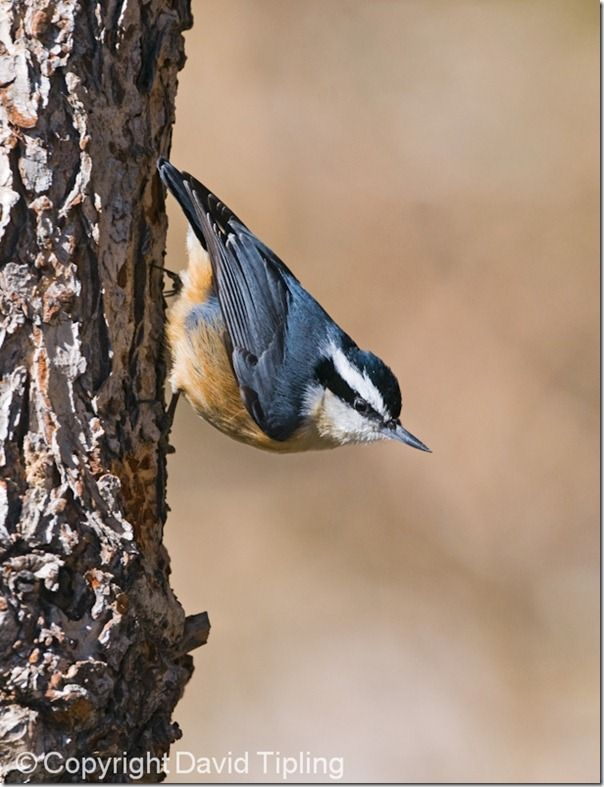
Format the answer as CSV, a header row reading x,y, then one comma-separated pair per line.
x,y
355,398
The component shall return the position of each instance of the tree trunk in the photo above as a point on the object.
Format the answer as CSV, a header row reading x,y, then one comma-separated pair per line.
x,y
93,642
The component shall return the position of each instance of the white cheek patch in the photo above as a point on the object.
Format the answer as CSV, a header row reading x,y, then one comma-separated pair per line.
x,y
358,381
344,424
336,422
313,400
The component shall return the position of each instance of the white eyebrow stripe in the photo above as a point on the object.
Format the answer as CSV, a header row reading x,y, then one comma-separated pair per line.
x,y
358,381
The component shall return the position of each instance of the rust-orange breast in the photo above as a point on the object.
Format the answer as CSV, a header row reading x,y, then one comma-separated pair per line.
x,y
201,367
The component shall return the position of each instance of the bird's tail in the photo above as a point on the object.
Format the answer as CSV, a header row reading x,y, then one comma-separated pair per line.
x,y
193,195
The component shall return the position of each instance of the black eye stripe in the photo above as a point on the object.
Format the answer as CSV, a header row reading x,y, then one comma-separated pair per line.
x,y
361,406
327,376
383,379
330,378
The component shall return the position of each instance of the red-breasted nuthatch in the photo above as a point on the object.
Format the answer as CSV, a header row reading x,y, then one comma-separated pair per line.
x,y
253,351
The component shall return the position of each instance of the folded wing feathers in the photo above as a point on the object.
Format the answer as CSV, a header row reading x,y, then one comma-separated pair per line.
x,y
254,298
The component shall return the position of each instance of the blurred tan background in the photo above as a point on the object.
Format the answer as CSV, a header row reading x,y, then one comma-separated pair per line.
x,y
429,170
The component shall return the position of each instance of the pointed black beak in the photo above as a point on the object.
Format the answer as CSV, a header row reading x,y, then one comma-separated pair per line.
x,y
398,432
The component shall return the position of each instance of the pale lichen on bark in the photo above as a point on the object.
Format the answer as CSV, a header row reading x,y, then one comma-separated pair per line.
x,y
92,641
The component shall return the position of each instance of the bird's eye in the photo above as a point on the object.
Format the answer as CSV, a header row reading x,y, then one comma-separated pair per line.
x,y
361,406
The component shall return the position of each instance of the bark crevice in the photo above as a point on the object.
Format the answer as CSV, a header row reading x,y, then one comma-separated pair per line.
x,y
93,643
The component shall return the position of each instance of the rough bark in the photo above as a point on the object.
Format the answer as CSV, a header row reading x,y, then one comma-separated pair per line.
x,y
92,640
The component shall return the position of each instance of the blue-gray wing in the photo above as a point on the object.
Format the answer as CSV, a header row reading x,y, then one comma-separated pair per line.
x,y
253,292
254,298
